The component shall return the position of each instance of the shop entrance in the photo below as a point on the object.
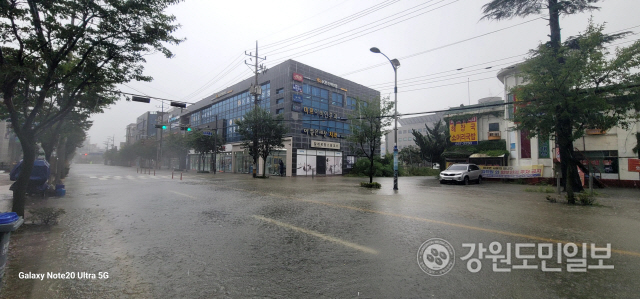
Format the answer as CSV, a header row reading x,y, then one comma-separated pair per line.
x,y
321,165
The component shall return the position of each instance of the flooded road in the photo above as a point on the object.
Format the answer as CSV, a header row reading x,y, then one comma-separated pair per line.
x,y
232,236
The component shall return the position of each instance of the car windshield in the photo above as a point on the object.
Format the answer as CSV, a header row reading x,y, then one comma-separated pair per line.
x,y
457,167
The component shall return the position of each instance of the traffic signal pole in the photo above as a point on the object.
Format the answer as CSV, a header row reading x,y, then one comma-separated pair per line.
x,y
256,91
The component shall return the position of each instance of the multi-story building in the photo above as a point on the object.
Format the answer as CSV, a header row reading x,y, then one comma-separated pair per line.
x,y
145,125
405,128
610,153
315,106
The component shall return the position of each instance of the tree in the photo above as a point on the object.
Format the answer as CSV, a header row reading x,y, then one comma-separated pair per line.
x,y
368,121
258,124
177,145
68,54
433,143
591,89
508,9
410,155
204,144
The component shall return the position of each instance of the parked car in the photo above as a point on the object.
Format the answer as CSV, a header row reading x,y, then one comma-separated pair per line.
x,y
461,173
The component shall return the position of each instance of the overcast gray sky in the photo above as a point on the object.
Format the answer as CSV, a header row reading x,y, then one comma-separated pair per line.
x,y
423,35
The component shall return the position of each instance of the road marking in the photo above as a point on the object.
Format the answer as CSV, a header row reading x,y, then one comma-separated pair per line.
x,y
189,196
469,227
318,235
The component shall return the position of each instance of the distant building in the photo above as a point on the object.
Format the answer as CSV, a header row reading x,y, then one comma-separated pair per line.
x,y
406,125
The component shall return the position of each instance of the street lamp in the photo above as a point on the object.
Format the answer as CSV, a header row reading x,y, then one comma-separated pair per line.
x,y
395,64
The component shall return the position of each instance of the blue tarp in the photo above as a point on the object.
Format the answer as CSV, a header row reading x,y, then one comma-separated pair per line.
x,y
40,171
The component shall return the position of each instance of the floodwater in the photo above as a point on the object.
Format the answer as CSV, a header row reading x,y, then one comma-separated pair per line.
x,y
233,236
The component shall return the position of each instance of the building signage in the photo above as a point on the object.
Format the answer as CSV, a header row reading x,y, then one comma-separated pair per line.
x,y
343,89
323,133
224,93
297,98
297,77
634,165
174,119
297,87
325,114
324,144
512,172
464,132
296,108
326,83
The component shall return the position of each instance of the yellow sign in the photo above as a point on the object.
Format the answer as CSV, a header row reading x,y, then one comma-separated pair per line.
x,y
464,132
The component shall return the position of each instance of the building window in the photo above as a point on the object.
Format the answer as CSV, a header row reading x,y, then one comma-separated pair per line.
x,y
351,103
494,127
336,99
525,145
280,90
280,111
280,101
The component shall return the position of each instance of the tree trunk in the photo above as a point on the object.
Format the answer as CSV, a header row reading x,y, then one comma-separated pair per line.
x,y
371,169
21,185
554,24
264,167
61,163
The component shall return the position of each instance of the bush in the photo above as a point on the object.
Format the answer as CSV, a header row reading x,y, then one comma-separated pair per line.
x,y
418,171
46,215
586,198
370,185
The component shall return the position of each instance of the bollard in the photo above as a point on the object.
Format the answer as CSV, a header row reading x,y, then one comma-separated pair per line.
x,y
591,183
136,169
172,175
154,172
181,176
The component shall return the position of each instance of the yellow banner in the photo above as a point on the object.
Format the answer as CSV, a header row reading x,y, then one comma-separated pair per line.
x,y
464,132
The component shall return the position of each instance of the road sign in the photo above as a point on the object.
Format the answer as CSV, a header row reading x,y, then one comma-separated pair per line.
x,y
207,133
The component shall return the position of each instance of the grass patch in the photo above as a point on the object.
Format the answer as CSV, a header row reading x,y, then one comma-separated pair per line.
x,y
374,185
541,189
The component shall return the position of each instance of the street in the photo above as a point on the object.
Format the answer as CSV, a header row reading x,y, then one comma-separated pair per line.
x,y
233,236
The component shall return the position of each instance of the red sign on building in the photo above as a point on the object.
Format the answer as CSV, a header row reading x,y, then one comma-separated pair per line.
x,y
634,165
297,77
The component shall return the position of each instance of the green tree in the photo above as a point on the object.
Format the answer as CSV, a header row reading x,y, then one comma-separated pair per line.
x,y
258,124
176,145
69,54
592,88
508,9
433,143
204,144
368,121
410,155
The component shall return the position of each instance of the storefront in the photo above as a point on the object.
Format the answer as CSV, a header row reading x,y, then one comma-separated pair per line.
x,y
318,162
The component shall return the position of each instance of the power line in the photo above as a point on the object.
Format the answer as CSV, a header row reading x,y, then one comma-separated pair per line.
x,y
412,9
441,47
337,23
340,41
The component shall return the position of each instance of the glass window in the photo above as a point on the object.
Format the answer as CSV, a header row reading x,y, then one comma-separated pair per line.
x,y
279,90
279,111
280,101
494,127
324,93
336,99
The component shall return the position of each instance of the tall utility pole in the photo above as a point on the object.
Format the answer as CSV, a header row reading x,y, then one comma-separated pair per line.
x,y
256,91
159,158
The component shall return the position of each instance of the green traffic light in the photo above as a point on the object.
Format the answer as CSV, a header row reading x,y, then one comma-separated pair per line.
x,y
164,127
189,129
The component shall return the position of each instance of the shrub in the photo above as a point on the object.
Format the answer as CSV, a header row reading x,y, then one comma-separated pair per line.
x,y
586,198
46,215
375,185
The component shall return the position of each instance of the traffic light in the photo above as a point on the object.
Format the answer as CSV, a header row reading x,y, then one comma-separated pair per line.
x,y
188,129
85,154
164,127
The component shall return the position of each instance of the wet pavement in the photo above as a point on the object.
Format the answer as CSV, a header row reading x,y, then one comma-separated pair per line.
x,y
232,236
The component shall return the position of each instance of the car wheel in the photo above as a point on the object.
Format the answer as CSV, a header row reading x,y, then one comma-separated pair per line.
x,y
479,180
466,180
441,182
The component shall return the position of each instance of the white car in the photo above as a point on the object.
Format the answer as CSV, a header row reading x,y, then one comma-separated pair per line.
x,y
461,173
